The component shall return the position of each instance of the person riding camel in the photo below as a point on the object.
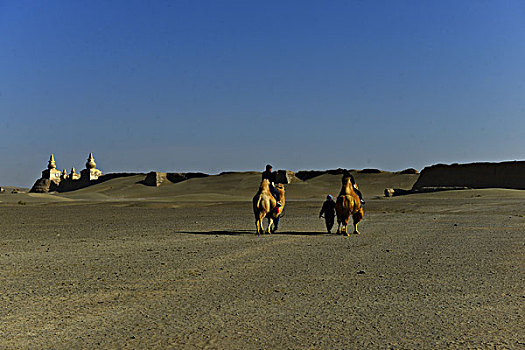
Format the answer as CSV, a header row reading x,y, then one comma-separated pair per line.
x,y
328,210
272,176
354,186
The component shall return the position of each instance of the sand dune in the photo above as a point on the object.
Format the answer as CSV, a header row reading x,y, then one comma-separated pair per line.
x,y
224,187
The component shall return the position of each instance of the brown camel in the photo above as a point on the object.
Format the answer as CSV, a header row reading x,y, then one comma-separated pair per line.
x,y
265,206
348,204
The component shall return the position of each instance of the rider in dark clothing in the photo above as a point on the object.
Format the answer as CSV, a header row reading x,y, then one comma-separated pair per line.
x,y
272,176
328,210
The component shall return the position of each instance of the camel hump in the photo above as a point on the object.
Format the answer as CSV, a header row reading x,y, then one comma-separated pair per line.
x,y
348,202
265,184
346,189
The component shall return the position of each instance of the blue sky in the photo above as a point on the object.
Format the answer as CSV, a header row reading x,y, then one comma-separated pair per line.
x,y
232,85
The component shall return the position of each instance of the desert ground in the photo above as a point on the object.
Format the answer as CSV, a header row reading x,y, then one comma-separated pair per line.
x,y
123,265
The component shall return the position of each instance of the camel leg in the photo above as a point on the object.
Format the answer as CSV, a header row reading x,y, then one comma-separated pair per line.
x,y
257,223
270,223
355,228
338,227
260,230
357,217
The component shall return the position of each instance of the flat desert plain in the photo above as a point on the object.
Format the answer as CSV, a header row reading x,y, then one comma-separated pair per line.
x,y
123,265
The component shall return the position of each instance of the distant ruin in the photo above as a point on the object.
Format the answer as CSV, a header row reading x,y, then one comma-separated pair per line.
x,y
474,175
54,180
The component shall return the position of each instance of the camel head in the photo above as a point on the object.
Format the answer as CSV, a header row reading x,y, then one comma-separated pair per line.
x,y
280,188
346,180
346,187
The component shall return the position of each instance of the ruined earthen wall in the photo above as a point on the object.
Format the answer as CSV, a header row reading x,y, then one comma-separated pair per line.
x,y
154,178
285,177
475,175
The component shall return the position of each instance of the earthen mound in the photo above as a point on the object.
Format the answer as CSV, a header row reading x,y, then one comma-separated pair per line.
x,y
310,174
409,171
370,171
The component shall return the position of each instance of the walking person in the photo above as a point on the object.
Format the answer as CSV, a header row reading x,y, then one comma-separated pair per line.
x,y
328,210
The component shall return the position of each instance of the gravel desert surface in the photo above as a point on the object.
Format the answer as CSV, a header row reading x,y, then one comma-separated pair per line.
x,y
122,265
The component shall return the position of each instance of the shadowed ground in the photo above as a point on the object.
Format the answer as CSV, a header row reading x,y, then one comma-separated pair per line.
x,y
441,270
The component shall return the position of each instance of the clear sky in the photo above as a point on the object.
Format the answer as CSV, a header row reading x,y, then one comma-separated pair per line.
x,y
232,85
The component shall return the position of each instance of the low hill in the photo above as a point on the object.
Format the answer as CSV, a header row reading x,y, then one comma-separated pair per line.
x,y
232,186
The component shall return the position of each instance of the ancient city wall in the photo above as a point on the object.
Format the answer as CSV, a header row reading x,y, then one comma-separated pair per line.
x,y
474,175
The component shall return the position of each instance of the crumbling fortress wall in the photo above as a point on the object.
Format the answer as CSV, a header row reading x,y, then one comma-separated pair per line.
x,y
474,175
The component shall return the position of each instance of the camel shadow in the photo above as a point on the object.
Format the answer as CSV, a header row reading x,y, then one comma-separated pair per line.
x,y
301,233
250,233
217,232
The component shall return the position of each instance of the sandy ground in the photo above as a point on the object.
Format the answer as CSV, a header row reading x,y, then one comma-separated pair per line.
x,y
429,271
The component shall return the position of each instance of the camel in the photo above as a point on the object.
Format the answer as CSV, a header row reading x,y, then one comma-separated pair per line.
x,y
264,206
347,204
